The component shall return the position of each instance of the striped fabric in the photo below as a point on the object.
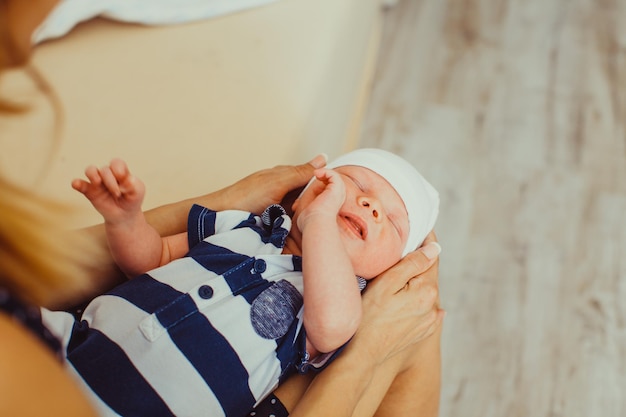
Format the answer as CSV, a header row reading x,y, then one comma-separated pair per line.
x,y
209,334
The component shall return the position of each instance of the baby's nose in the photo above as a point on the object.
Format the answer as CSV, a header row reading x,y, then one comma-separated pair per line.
x,y
373,206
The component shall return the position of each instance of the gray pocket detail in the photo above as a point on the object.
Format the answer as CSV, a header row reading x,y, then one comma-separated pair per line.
x,y
275,309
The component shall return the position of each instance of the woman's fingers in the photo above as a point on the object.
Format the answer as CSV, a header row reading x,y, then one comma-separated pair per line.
x,y
400,306
428,325
424,292
295,178
319,161
435,318
404,300
300,175
431,237
414,264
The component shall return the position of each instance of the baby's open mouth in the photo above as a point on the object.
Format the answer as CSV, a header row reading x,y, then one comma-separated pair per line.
x,y
355,224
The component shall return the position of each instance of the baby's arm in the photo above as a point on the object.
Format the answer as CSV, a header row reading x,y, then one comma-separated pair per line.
x,y
135,245
332,300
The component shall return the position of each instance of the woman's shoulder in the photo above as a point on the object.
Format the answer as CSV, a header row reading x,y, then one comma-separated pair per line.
x,y
29,317
33,382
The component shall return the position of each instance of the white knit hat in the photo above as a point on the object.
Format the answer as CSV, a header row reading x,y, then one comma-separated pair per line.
x,y
420,198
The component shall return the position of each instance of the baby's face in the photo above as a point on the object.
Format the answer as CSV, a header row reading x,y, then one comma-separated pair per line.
x,y
372,222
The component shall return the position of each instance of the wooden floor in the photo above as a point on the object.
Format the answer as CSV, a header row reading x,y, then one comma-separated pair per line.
x,y
516,111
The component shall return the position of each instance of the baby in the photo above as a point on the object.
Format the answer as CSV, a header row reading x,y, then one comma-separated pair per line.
x,y
217,316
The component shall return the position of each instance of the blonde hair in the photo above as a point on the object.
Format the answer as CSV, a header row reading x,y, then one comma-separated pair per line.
x,y
41,260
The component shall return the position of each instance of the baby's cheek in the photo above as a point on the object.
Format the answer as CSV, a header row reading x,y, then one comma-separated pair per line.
x,y
369,267
370,264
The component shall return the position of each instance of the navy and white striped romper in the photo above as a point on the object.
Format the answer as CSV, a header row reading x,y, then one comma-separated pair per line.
x,y
210,334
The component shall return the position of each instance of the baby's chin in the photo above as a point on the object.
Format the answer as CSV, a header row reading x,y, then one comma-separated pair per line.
x,y
373,272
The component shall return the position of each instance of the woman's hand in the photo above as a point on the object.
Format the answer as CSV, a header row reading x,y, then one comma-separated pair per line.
x,y
400,312
401,306
269,186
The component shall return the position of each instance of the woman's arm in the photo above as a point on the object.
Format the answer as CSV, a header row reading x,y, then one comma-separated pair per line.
x,y
253,193
399,332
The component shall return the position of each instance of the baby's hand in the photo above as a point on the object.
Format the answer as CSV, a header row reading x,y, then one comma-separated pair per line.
x,y
329,200
112,190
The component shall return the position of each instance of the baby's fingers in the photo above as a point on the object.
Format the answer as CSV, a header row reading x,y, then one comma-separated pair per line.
x,y
93,181
325,175
81,186
93,175
110,181
91,185
130,186
119,169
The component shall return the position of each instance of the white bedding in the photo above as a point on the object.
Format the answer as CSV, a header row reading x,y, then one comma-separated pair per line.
x,y
69,13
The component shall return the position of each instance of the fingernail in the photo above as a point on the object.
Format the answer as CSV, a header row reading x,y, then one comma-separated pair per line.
x,y
319,161
432,250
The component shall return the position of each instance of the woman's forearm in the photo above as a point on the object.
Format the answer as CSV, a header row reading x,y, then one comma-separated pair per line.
x,y
171,219
412,381
356,384
337,390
